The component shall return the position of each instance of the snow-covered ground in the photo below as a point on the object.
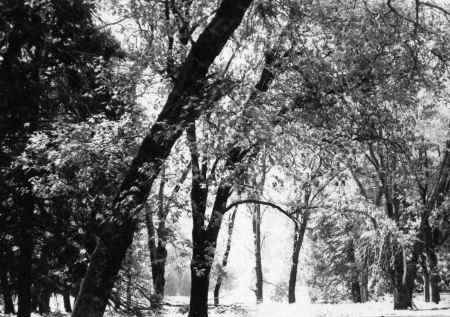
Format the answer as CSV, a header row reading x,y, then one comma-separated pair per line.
x,y
304,309
271,309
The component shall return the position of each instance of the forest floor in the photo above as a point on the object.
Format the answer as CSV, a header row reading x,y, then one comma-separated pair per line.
x,y
382,308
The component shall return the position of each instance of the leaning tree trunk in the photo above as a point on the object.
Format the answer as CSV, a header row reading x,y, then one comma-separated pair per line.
x,y
299,234
256,221
178,112
225,259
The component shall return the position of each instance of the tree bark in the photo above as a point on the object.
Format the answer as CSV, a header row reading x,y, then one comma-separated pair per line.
x,y
129,278
426,279
206,238
158,255
225,259
158,251
355,288
256,221
203,245
434,279
435,289
25,258
177,113
299,234
44,301
5,286
356,291
403,282
364,288
66,299
198,305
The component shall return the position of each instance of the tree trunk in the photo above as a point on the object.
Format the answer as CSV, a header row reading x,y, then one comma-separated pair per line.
x,y
426,279
364,288
299,234
225,259
434,284
158,255
67,305
434,274
257,243
204,241
200,269
403,283
207,238
25,257
177,113
426,287
355,289
6,288
44,301
129,279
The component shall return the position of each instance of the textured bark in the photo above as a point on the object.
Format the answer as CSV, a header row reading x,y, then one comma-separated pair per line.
x,y
177,113
299,234
25,258
225,259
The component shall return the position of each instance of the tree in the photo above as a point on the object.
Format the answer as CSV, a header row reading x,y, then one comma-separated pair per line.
x,y
47,50
117,234
221,273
